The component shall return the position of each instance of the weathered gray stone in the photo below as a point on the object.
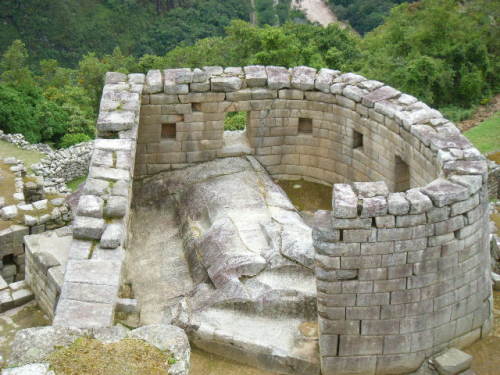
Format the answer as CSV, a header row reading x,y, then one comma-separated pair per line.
x,y
345,201
90,206
303,78
115,121
88,228
226,84
33,345
325,78
277,77
255,75
167,338
112,236
419,202
31,369
116,206
371,189
452,362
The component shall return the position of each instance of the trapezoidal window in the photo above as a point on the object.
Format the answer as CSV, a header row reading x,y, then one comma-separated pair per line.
x,y
357,140
168,131
235,121
305,125
401,175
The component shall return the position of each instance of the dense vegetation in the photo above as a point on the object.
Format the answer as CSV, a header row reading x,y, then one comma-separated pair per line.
x,y
66,30
363,15
442,51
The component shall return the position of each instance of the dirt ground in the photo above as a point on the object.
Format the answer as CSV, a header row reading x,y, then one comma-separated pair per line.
x,y
483,113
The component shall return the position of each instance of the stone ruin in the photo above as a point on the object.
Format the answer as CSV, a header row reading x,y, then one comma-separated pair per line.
x,y
188,215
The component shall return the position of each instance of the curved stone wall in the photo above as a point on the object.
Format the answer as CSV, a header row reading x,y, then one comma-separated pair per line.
x,y
400,276
340,108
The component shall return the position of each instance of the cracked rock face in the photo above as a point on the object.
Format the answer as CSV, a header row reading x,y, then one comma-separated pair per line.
x,y
236,223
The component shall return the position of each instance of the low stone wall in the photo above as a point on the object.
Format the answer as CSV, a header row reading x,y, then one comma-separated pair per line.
x,y
24,210
46,256
20,141
66,164
93,271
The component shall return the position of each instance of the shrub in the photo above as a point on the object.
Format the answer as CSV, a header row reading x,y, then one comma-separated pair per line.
x,y
73,139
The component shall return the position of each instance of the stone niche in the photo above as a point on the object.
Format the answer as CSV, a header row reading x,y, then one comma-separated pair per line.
x,y
401,267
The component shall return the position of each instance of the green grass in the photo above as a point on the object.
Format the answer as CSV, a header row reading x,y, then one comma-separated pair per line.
x,y
74,184
486,135
29,157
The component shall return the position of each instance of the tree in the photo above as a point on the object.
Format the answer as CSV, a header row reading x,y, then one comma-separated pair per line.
x,y
435,50
13,66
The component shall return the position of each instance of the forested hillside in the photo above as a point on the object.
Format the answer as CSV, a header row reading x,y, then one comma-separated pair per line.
x,y
65,30
443,51
364,15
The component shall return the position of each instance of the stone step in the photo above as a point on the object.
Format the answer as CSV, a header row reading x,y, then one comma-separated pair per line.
x,y
283,345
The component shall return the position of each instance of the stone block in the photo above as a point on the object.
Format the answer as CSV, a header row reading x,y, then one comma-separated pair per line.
x,y
99,272
443,192
116,207
324,79
90,206
397,204
328,345
277,77
360,345
383,93
452,362
116,121
226,84
88,228
372,207
345,201
303,78
357,365
112,236
154,82
255,75
380,327
71,313
419,202
85,292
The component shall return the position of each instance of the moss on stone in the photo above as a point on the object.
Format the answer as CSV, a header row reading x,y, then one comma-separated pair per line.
x,y
127,357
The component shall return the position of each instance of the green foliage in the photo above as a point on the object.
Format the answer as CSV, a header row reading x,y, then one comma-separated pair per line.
x,y
287,45
436,51
17,113
73,139
457,114
235,121
486,136
363,15
75,184
45,108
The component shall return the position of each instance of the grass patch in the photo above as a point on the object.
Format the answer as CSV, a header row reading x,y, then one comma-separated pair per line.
x,y
235,121
74,184
29,157
486,135
127,357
